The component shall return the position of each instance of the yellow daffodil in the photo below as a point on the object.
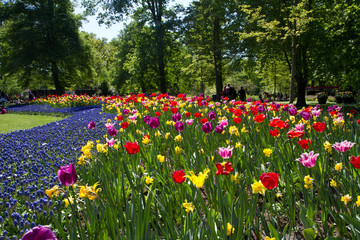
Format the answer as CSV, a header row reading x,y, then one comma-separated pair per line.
x,y
346,199
328,147
229,229
358,201
68,201
160,158
258,187
54,191
89,191
149,180
333,183
338,167
308,182
267,152
178,150
178,138
189,207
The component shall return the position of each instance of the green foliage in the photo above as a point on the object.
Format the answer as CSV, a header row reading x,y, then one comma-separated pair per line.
x,y
41,41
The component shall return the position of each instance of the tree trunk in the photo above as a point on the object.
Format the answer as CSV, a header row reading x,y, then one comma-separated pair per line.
x,y
217,57
160,51
55,76
293,60
302,77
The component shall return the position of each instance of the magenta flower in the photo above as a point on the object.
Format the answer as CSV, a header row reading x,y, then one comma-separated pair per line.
x,y
111,142
212,115
112,132
225,152
223,122
343,146
91,125
39,233
109,126
189,121
176,117
207,127
67,175
179,126
146,119
154,122
308,159
219,129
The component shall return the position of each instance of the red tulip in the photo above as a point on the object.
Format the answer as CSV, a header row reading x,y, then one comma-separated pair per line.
x,y
178,176
269,180
319,126
304,143
274,132
132,148
355,161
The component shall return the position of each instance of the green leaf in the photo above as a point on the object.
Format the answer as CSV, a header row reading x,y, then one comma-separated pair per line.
x,y
309,234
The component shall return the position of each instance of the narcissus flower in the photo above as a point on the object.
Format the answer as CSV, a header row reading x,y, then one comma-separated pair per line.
x,y
132,148
269,238
189,207
358,201
267,152
39,233
229,229
149,180
89,192
54,191
258,187
328,147
198,180
225,152
308,182
338,167
178,176
343,146
68,201
269,180
346,199
333,183
355,161
160,158
308,159
67,175
178,150
178,138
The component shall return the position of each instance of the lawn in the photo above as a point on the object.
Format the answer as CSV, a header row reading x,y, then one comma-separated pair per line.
x,y
13,122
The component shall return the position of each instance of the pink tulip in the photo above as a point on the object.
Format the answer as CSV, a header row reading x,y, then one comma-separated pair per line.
x,y
308,159
343,146
225,152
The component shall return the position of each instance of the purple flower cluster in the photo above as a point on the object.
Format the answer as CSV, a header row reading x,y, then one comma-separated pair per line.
x,y
29,161
48,109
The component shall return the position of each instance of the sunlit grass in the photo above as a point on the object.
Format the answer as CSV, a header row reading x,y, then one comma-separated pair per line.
x,y
13,122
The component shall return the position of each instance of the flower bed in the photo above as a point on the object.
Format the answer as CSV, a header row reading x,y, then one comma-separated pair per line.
x,y
185,167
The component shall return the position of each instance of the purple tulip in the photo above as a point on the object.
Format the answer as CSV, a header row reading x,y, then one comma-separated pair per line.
x,y
242,107
112,132
219,129
39,233
67,175
292,111
126,111
305,115
207,127
179,126
3,111
261,109
285,108
154,122
176,117
212,115
146,119
91,125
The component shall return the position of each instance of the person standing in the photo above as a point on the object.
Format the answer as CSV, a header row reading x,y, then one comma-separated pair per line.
x,y
3,99
242,94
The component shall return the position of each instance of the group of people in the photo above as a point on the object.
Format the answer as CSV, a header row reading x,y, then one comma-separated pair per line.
x,y
230,92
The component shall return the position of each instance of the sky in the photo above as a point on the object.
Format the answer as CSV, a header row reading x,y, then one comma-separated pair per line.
x,y
102,31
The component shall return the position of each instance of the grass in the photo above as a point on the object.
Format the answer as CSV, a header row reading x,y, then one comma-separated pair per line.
x,y
14,122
